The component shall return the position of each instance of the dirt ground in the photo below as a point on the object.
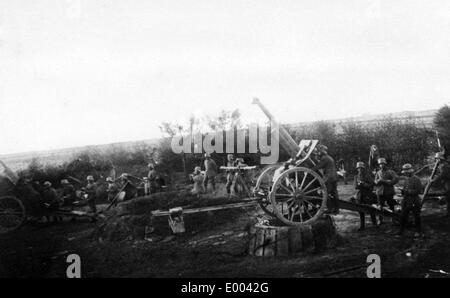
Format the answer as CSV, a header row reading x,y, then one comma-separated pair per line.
x,y
215,245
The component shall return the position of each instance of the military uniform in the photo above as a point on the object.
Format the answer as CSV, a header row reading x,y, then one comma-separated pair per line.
x,y
411,201
230,175
444,175
210,173
364,195
198,183
152,175
50,198
91,191
385,180
330,176
112,191
68,194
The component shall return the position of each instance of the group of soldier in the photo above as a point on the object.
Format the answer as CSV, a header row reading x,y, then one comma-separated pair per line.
x,y
384,181
201,179
371,188
48,200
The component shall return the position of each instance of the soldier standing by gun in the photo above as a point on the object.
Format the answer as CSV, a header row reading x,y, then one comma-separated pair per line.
x,y
411,200
111,189
364,195
328,166
230,173
444,175
51,202
210,173
197,177
68,193
152,175
91,191
385,180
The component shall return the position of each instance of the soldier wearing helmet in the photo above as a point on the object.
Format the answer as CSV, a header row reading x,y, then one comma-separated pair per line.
x,y
91,192
51,202
210,173
364,195
231,162
111,189
68,192
411,200
385,179
328,166
444,176
197,177
152,178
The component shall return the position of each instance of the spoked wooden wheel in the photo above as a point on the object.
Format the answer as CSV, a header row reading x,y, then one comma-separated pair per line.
x,y
12,214
299,196
264,186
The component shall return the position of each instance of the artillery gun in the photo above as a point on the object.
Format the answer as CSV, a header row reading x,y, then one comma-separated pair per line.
x,y
290,191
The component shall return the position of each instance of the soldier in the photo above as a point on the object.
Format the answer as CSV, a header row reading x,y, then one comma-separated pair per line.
x,y
68,193
328,166
198,178
230,173
50,200
210,173
364,195
128,187
91,191
152,175
411,200
111,189
444,176
385,180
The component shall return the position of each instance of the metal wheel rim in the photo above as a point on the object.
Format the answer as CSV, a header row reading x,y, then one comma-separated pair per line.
x,y
302,200
266,205
11,211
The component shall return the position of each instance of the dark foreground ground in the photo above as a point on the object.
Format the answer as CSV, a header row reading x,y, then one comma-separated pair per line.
x,y
218,249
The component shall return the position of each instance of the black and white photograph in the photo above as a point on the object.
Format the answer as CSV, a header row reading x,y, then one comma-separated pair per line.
x,y
239,141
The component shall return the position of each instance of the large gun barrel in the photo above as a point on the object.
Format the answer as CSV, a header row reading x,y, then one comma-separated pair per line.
x,y
286,141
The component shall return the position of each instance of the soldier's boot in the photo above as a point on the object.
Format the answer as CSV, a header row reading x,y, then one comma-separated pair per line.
x,y
374,220
362,219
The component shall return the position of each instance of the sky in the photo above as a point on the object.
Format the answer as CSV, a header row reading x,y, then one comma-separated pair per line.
x,y
81,72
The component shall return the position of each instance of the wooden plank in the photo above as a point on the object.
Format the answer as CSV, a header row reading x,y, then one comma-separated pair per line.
x,y
307,238
252,241
259,244
209,208
269,242
295,239
282,241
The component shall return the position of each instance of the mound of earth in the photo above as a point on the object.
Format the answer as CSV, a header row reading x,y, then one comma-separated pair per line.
x,y
133,220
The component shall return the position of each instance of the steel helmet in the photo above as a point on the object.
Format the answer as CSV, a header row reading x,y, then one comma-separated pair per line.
x,y
90,178
382,160
360,164
407,167
64,182
440,156
109,179
197,170
207,154
47,184
322,148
